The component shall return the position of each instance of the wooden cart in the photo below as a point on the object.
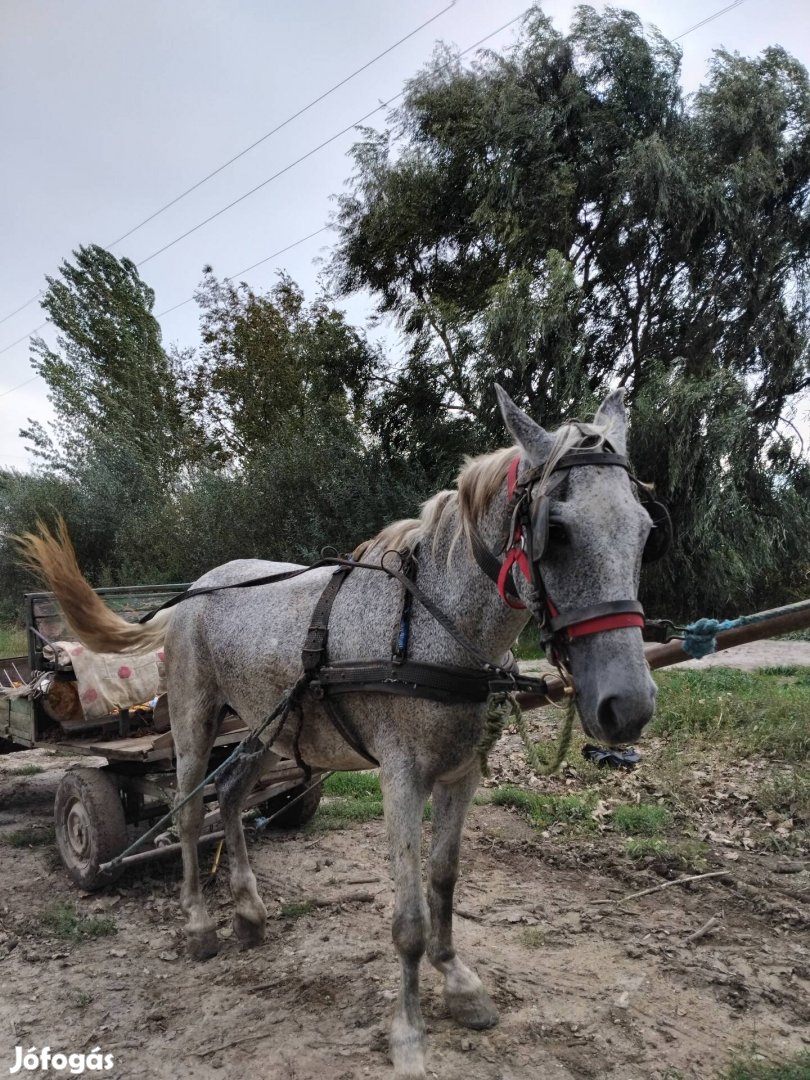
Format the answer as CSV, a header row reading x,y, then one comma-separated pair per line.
x,y
99,810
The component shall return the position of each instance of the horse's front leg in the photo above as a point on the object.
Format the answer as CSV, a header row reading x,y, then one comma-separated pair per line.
x,y
404,804
467,1000
233,786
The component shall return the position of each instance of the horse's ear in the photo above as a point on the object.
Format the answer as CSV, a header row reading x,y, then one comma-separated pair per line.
x,y
535,440
613,414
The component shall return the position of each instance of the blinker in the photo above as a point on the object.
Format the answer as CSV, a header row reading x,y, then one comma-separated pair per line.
x,y
660,538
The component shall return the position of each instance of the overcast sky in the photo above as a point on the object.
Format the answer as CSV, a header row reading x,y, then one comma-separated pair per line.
x,y
110,110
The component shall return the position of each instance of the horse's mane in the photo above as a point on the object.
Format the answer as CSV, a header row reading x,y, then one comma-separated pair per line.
x,y
477,484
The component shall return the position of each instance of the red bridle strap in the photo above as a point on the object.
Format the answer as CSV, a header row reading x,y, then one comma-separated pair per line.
x,y
516,552
516,555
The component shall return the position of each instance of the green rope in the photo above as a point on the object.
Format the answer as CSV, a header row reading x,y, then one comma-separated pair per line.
x,y
543,761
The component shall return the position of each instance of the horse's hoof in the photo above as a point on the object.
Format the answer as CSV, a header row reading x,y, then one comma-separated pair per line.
x,y
202,944
248,933
472,1009
407,1051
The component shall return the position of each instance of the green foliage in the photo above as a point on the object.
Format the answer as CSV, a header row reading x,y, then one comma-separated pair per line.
x,y
544,810
642,846
746,1069
353,785
756,712
12,641
109,378
294,909
30,837
640,819
63,921
562,220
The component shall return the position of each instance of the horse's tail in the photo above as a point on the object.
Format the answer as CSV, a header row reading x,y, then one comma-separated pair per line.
x,y
96,626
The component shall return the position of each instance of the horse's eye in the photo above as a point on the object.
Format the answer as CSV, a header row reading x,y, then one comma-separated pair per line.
x,y
557,534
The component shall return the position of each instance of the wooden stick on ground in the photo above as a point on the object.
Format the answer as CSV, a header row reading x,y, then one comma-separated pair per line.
x,y
707,928
665,885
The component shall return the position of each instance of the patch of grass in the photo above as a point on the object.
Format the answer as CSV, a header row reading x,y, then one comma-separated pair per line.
x,y
342,812
12,640
353,785
787,793
82,999
294,909
753,712
797,1069
31,837
544,810
691,855
639,847
352,797
640,820
26,770
533,937
63,921
527,646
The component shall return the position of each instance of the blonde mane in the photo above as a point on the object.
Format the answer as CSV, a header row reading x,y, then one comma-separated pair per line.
x,y
477,484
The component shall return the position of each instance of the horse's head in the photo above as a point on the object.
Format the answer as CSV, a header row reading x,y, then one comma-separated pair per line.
x,y
583,530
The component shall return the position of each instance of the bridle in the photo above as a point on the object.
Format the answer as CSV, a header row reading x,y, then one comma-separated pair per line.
x,y
529,504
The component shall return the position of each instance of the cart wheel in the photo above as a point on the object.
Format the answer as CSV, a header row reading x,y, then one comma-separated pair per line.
x,y
90,826
299,813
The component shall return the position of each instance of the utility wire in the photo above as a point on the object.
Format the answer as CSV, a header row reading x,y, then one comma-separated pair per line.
x,y
30,333
703,22
19,386
22,307
292,164
253,145
309,153
708,19
283,124
253,266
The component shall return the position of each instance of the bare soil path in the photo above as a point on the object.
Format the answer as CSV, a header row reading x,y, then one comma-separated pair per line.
x,y
587,990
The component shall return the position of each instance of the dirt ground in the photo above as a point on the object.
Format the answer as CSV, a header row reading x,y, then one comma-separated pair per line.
x,y
586,989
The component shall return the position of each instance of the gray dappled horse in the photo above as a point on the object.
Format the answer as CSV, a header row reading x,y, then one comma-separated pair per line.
x,y
242,649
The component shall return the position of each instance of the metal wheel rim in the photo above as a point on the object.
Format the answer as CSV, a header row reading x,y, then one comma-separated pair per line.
x,y
77,832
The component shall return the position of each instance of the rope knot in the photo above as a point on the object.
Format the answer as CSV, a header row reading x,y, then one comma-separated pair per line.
x,y
701,636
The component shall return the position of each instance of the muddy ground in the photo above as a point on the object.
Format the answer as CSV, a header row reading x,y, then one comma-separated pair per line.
x,y
586,989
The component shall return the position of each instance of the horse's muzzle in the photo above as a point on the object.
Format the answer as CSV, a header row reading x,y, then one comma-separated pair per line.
x,y
621,717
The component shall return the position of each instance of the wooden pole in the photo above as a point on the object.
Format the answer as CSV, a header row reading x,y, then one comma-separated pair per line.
x,y
775,621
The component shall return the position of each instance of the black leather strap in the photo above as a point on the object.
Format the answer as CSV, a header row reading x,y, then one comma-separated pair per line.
x,y
313,654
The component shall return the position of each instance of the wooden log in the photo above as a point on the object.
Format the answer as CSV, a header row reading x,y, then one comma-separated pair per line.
x,y
775,621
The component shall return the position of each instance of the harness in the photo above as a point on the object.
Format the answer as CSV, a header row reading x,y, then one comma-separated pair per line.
x,y
526,544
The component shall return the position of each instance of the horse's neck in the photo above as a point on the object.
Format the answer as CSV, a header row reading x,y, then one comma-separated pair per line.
x,y
449,572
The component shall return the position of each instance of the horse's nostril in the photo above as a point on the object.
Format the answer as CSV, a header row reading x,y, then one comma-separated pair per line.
x,y
607,714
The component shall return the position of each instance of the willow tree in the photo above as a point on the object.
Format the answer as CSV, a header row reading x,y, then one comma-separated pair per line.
x,y
560,218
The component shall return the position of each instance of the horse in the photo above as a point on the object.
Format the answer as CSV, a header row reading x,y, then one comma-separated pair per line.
x,y
241,648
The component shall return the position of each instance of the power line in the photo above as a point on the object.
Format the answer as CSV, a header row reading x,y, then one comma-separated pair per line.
x,y
264,183
230,277
708,19
283,124
19,386
22,307
703,22
30,333
309,153
253,145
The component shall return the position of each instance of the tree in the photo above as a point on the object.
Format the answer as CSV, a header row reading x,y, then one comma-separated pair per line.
x,y
110,380
560,220
272,364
